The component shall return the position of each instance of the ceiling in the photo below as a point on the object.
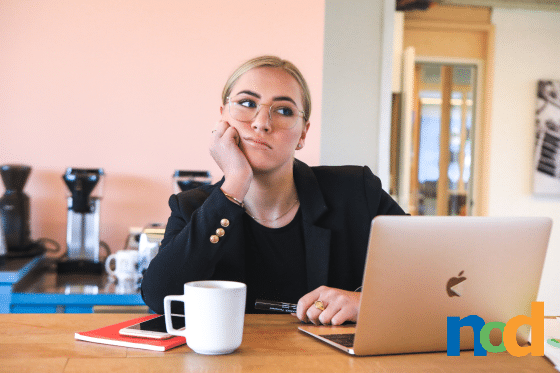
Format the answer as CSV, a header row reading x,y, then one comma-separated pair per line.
x,y
553,5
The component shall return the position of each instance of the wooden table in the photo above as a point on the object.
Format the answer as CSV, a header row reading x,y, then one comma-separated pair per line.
x,y
271,343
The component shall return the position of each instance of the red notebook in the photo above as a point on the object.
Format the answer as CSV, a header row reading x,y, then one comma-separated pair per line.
x,y
110,335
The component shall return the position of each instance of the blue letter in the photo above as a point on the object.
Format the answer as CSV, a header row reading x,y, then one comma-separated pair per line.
x,y
454,325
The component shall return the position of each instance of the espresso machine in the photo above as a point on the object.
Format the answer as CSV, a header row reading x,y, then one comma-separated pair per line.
x,y
82,231
185,180
15,232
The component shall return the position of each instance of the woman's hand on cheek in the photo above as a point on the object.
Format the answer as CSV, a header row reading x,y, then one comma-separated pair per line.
x,y
224,148
339,306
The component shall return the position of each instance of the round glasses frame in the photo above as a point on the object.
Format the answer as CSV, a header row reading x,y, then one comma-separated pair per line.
x,y
299,113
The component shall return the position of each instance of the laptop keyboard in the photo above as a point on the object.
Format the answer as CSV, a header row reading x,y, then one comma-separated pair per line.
x,y
347,340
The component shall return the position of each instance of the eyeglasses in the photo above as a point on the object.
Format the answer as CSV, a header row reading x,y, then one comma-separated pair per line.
x,y
282,115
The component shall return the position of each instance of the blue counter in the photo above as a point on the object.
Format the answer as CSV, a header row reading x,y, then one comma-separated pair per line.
x,y
11,272
71,303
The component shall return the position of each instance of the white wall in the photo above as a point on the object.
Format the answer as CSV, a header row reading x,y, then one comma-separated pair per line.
x,y
357,64
527,49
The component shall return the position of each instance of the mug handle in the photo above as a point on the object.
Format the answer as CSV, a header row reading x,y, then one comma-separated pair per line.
x,y
107,265
167,311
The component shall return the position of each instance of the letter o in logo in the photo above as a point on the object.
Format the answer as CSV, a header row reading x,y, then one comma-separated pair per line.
x,y
485,337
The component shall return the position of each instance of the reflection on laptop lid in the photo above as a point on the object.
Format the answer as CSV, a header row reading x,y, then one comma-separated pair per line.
x,y
420,270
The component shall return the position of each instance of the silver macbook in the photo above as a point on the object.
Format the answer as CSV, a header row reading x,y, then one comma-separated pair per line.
x,y
420,270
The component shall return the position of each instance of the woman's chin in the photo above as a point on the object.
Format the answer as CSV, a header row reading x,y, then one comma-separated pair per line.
x,y
266,162
261,167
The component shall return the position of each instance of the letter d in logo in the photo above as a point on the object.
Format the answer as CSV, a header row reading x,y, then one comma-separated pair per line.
x,y
537,332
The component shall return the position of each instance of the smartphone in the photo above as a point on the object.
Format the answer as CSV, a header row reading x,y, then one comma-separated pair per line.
x,y
154,328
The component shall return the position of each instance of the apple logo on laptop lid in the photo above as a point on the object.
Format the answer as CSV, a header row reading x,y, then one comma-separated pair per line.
x,y
455,285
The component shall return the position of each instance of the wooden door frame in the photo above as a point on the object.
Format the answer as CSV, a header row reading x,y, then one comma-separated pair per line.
x,y
484,98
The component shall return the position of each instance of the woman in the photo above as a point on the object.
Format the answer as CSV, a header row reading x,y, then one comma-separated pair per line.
x,y
291,232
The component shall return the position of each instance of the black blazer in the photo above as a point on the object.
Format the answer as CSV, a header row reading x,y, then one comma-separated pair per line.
x,y
337,205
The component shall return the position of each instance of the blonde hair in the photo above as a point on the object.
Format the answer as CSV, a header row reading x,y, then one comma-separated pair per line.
x,y
271,61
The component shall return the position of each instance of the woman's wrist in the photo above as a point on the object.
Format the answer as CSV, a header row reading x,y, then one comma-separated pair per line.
x,y
236,189
233,199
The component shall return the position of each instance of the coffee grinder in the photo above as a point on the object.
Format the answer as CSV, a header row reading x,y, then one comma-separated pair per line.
x,y
186,180
14,214
82,231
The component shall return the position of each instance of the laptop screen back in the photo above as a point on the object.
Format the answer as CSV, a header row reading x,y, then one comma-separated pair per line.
x,y
420,270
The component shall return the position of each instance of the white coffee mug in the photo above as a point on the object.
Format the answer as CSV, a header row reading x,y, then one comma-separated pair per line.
x,y
127,286
126,265
214,315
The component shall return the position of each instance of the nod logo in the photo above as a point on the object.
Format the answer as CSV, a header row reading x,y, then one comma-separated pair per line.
x,y
482,330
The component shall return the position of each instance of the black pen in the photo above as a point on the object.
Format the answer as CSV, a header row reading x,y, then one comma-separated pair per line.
x,y
269,305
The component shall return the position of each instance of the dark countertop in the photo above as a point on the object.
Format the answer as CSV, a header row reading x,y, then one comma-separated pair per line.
x,y
13,270
44,279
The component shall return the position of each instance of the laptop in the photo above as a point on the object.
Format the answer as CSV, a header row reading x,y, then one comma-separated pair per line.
x,y
420,270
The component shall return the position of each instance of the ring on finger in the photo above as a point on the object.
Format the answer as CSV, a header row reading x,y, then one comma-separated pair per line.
x,y
319,305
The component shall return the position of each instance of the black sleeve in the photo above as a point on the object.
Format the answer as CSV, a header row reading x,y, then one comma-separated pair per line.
x,y
186,252
379,201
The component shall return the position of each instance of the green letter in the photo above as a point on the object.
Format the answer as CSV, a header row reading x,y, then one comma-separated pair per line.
x,y
485,337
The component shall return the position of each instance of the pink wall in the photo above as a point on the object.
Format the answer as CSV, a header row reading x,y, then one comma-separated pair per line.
x,y
133,87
